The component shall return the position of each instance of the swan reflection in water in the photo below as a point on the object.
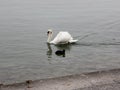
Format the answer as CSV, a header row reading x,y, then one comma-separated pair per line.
x,y
49,52
61,49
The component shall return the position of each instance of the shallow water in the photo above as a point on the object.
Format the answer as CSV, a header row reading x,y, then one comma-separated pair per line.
x,y
24,53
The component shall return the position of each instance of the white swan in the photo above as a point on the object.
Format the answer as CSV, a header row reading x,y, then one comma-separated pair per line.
x,y
61,38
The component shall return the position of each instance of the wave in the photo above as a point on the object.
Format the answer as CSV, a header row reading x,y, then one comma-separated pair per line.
x,y
97,44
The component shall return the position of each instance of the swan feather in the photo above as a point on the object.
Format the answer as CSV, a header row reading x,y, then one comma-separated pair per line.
x,y
63,38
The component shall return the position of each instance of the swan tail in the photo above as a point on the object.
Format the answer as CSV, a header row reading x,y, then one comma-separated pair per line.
x,y
73,41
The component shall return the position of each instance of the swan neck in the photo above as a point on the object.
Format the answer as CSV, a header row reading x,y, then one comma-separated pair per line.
x,y
49,38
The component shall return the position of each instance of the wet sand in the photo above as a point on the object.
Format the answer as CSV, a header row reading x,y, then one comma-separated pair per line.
x,y
108,79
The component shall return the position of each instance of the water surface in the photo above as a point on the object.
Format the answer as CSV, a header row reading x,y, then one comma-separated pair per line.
x,y
24,53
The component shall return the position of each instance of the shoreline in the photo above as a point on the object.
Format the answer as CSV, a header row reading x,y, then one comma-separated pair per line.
x,y
70,82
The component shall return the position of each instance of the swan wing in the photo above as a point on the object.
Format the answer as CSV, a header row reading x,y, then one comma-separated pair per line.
x,y
62,38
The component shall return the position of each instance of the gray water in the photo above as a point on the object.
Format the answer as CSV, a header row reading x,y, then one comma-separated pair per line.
x,y
24,53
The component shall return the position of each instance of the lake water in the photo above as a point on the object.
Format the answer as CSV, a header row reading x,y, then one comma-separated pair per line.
x,y
24,53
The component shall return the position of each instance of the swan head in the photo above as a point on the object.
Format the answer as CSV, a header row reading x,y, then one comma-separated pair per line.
x,y
49,34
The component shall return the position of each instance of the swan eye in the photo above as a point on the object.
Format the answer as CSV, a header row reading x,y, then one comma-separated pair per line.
x,y
48,32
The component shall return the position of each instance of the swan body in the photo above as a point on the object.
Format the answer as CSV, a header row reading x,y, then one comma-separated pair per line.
x,y
62,37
